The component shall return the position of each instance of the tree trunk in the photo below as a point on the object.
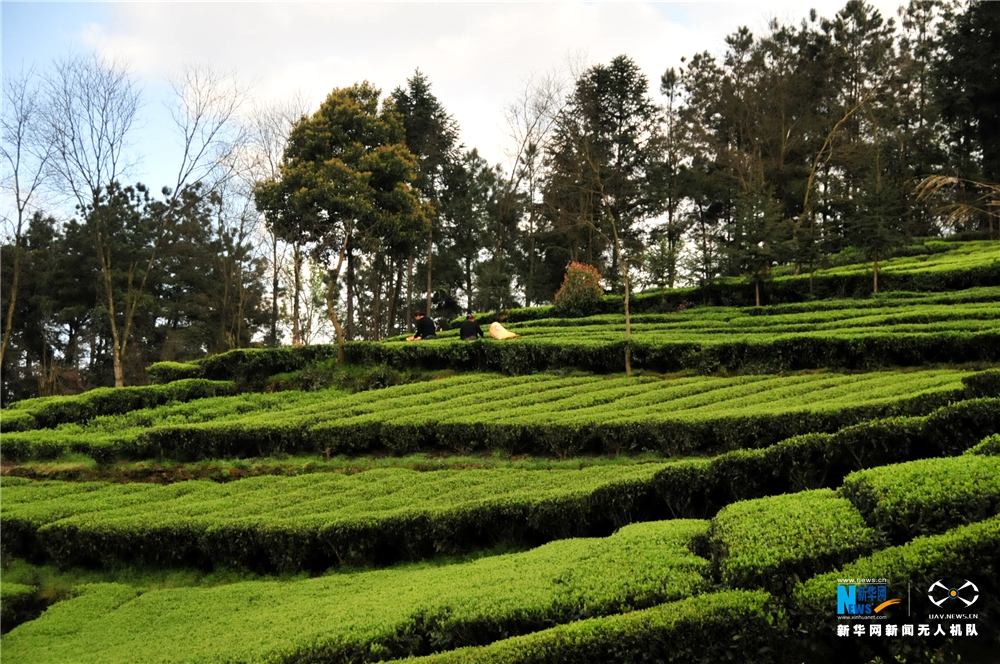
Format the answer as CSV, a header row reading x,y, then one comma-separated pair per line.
x,y
350,290
394,301
331,298
15,281
376,303
274,291
331,305
430,256
468,285
409,293
529,288
756,289
297,295
875,274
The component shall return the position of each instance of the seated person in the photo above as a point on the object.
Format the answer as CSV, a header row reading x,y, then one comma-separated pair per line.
x,y
498,331
425,328
470,330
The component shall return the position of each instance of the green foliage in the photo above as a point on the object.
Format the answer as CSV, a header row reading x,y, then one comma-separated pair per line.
x,y
581,292
775,542
367,616
989,446
539,414
984,383
926,497
49,412
716,627
18,603
321,519
167,372
250,368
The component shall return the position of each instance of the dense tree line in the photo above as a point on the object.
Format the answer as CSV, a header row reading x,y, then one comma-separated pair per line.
x,y
802,146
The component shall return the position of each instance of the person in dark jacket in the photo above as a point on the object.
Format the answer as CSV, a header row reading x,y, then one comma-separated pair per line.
x,y
425,328
470,330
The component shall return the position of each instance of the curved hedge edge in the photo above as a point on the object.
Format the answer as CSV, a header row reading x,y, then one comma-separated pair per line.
x,y
989,446
525,356
161,373
16,420
983,384
927,496
89,601
50,412
19,603
378,540
733,625
812,461
774,542
968,552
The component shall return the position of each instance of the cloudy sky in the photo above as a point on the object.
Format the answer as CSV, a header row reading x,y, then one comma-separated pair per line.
x,y
477,56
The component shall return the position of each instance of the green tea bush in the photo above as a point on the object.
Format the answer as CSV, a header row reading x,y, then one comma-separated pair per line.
x,y
984,383
926,497
18,603
775,542
167,372
49,412
377,615
540,414
318,520
989,446
250,368
728,626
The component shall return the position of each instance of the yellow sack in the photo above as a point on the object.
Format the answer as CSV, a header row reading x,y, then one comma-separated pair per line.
x,y
498,331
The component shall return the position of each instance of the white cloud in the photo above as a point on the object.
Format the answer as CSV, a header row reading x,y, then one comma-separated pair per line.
x,y
476,55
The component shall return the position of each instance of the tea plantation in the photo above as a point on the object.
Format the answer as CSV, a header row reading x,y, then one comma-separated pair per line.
x,y
808,481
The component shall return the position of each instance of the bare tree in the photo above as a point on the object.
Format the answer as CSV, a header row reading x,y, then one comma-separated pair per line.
x,y
207,103
530,119
25,160
92,106
267,128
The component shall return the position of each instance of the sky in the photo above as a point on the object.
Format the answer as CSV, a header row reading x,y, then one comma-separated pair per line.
x,y
477,56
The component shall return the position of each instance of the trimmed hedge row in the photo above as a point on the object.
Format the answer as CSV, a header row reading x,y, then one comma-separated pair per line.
x,y
374,615
988,446
729,626
804,623
772,543
167,372
319,520
476,513
539,414
975,265
521,356
698,489
19,603
251,369
670,437
926,497
49,412
968,552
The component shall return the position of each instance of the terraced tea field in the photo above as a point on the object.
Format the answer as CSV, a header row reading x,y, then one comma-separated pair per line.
x,y
389,614
541,413
769,504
